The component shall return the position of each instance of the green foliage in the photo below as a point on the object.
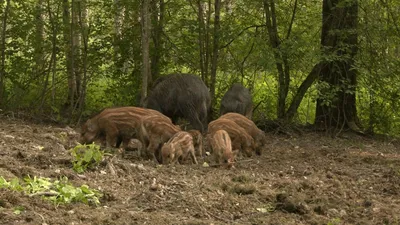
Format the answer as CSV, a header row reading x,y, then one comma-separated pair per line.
x,y
334,221
114,59
58,191
86,157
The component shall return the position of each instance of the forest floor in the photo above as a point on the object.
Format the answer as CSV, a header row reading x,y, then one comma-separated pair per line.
x,y
299,179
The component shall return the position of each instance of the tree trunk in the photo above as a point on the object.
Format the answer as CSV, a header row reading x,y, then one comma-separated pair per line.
x,y
207,45
200,19
282,64
53,60
215,49
157,33
118,12
67,37
76,43
145,48
83,24
3,53
38,41
336,105
301,91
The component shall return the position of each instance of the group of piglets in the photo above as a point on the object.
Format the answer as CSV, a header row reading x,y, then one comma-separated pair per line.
x,y
166,142
155,131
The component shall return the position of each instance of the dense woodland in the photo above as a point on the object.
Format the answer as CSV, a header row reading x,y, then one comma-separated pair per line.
x,y
332,63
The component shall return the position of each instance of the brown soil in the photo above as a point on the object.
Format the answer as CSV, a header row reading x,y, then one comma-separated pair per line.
x,y
307,179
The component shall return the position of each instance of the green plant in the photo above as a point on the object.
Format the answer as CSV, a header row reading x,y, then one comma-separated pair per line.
x,y
58,191
334,221
86,157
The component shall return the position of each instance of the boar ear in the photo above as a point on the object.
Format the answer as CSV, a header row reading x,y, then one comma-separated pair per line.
x,y
235,152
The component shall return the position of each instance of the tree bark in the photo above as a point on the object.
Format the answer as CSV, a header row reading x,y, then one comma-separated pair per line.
x,y
3,53
145,48
214,62
83,24
67,37
157,32
282,64
200,19
339,39
76,43
207,45
39,36
53,60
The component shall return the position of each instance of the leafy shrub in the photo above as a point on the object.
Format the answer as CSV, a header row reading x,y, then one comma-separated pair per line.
x,y
58,191
86,157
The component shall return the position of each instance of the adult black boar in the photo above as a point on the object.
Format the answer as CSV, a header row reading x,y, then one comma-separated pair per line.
x,y
238,100
181,96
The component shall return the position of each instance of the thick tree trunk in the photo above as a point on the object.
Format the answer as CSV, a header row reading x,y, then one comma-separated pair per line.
x,y
146,73
3,52
336,106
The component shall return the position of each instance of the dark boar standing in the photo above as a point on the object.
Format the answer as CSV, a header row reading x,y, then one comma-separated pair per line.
x,y
238,100
181,96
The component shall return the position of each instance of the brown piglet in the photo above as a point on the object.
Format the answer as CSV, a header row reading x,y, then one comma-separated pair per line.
x,y
178,148
221,146
240,138
250,127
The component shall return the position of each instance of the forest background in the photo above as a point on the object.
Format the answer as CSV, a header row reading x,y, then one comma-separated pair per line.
x,y
331,63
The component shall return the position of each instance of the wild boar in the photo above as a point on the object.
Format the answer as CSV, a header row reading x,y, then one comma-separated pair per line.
x,y
221,146
197,142
178,148
115,125
240,138
181,96
250,127
155,131
237,99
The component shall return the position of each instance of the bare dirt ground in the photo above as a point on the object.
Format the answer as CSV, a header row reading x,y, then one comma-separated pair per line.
x,y
304,179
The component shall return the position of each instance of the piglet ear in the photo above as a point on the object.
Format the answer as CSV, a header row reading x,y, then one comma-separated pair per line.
x,y
235,152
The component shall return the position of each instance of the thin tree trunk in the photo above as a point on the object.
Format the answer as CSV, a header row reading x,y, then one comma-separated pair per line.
x,y
200,19
282,64
39,51
76,42
3,53
53,59
301,91
67,36
83,24
208,45
117,35
38,41
214,63
157,54
145,48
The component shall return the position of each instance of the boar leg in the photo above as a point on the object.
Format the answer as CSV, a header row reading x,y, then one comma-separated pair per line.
x,y
152,150
192,155
111,136
194,119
